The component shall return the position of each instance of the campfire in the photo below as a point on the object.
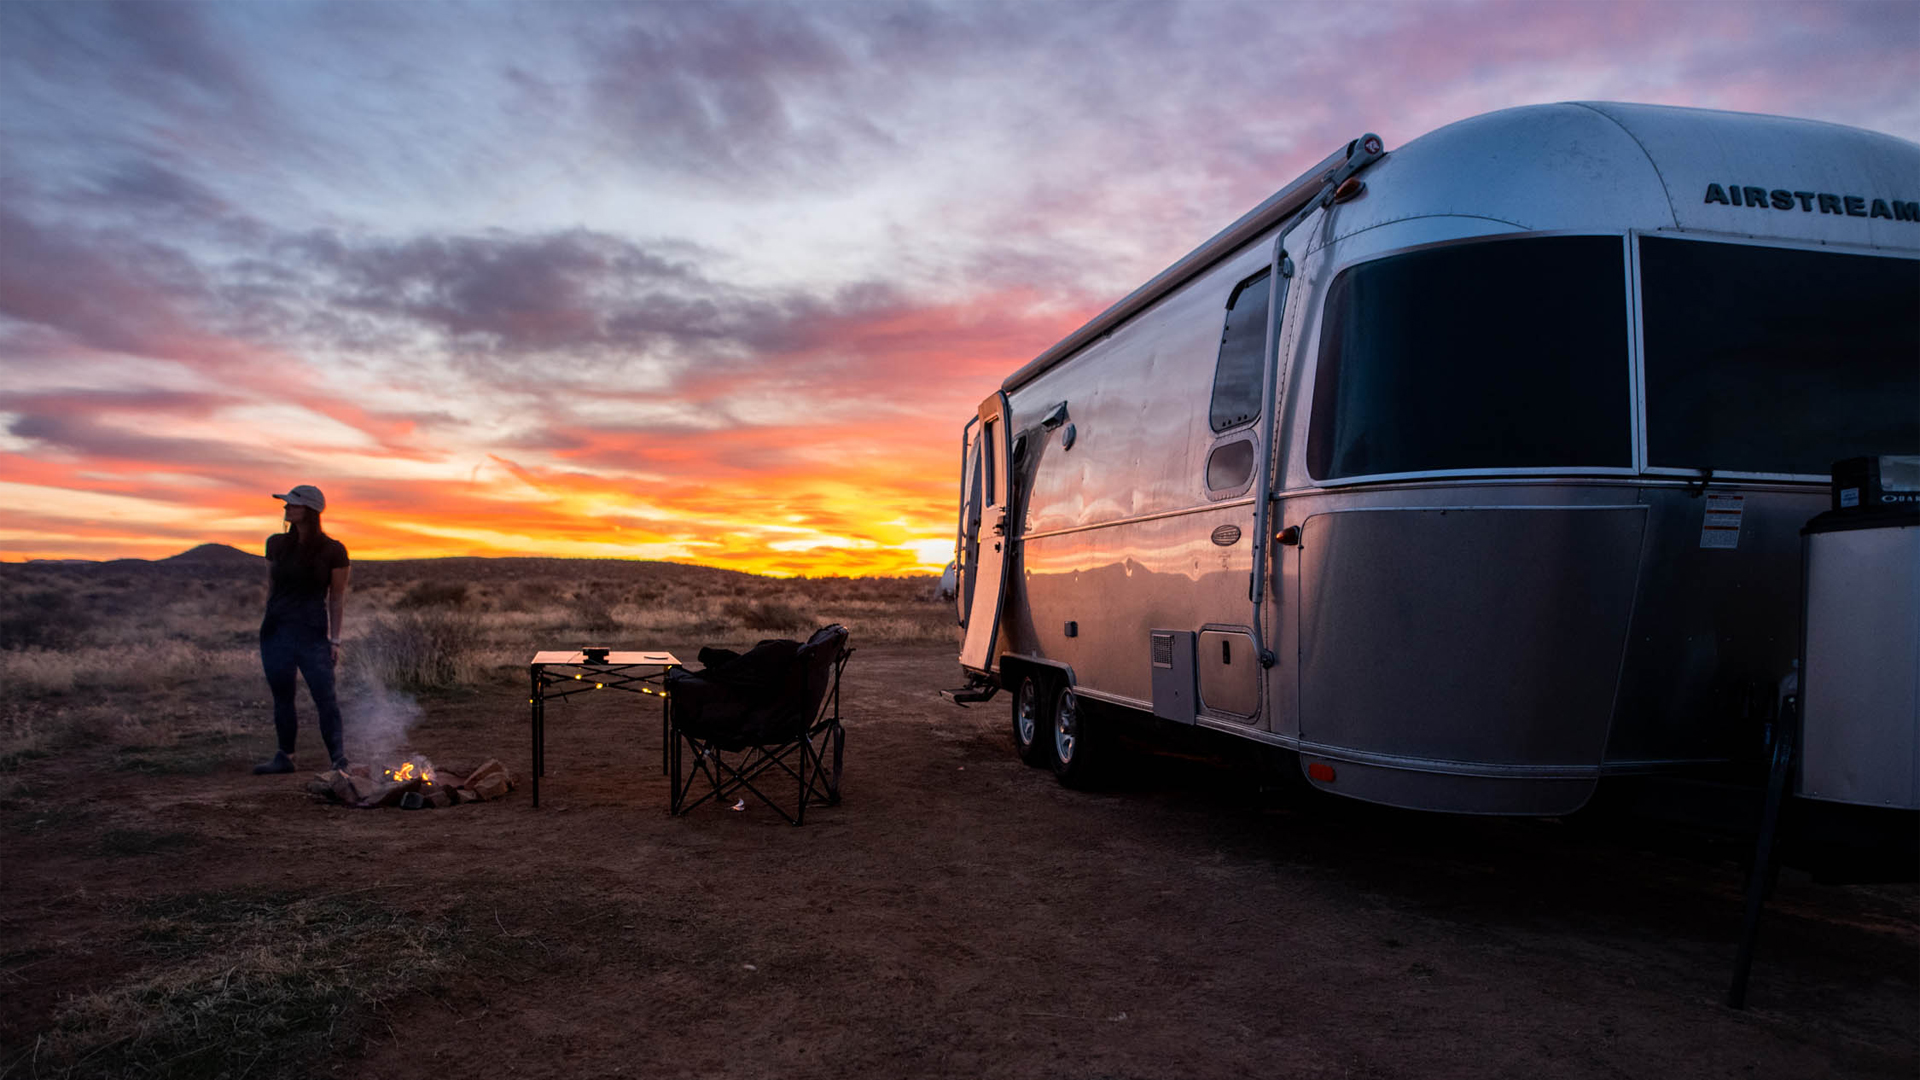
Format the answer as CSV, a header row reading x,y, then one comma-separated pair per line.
x,y
414,784
418,769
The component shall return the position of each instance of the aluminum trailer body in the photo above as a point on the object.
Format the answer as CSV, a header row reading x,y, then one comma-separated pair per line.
x,y
1469,471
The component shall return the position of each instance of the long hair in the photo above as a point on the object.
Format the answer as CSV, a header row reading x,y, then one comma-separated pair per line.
x,y
307,543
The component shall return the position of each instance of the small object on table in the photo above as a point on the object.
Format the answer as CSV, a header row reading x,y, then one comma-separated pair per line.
x,y
594,654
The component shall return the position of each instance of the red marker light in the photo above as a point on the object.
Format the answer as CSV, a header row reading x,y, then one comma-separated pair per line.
x,y
1320,771
1348,188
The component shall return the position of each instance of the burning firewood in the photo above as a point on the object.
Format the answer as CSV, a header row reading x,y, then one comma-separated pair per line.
x,y
359,787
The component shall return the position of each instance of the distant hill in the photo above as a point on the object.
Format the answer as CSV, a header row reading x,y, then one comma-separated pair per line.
x,y
213,555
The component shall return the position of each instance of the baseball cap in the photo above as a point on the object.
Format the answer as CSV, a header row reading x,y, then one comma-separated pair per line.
x,y
305,495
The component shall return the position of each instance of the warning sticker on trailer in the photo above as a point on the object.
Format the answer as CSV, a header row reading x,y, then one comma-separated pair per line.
x,y
1721,529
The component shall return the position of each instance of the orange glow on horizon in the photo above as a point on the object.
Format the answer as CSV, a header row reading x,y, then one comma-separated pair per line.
x,y
830,449
776,525
836,455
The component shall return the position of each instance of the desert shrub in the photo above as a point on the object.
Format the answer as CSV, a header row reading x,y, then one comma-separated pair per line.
x,y
35,673
774,615
42,619
419,650
427,594
517,596
245,600
592,612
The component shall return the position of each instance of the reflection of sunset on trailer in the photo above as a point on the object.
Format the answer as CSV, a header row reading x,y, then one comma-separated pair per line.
x,y
1469,473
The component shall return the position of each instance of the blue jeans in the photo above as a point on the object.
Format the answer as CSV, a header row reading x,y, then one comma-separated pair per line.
x,y
285,649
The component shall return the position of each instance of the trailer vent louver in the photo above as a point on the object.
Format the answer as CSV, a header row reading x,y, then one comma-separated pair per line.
x,y
1162,650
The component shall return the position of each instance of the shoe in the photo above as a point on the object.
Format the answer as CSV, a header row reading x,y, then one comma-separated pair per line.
x,y
340,764
279,763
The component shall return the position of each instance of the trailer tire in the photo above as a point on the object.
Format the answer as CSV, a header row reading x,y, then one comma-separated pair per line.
x,y
1076,756
1032,715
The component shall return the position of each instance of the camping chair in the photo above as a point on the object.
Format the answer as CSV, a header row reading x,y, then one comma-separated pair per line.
x,y
743,716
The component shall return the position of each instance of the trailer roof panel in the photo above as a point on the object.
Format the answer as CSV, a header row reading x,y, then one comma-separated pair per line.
x,y
1600,166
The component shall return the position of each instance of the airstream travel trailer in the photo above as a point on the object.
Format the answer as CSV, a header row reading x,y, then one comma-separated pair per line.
x,y
1465,473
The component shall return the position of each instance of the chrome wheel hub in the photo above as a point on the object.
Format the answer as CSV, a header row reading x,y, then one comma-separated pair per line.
x,y
1027,715
1066,726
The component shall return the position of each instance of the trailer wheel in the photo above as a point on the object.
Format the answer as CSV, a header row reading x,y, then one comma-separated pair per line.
x,y
1032,721
1074,754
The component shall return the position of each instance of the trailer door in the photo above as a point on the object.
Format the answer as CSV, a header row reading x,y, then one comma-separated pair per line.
x,y
986,579
966,550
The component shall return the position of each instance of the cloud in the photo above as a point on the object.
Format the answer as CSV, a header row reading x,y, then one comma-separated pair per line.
x,y
712,281
174,71
113,292
573,305
778,401
112,300
108,445
174,45
735,92
522,293
147,183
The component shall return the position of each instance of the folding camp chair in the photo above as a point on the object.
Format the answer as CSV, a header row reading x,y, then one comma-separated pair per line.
x,y
776,707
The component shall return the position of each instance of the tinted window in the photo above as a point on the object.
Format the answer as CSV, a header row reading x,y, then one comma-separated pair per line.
x,y
1505,354
970,489
1769,360
1230,465
1243,354
987,470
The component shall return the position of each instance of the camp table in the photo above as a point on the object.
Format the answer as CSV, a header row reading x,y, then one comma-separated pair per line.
x,y
634,672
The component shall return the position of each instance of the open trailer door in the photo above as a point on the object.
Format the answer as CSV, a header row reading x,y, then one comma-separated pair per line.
x,y
965,550
986,577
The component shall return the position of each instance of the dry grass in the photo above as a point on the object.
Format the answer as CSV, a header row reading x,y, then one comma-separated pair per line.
x,y
430,593
80,642
253,984
417,650
55,672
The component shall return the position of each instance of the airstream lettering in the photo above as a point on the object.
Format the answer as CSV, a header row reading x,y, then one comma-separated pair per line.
x,y
1782,199
1460,475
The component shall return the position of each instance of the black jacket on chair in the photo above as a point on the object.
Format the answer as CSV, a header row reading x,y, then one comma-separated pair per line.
x,y
769,694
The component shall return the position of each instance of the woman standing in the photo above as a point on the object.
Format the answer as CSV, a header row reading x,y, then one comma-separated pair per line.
x,y
307,595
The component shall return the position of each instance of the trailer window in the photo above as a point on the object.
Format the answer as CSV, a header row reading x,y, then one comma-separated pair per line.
x,y
987,469
1775,360
1504,354
1238,375
1230,466
970,491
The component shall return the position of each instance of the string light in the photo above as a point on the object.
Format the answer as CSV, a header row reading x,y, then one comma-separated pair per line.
x,y
626,684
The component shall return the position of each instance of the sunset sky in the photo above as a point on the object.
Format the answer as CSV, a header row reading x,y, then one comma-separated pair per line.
x,y
704,282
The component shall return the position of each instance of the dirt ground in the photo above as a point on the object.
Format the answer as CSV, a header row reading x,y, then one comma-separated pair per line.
x,y
962,915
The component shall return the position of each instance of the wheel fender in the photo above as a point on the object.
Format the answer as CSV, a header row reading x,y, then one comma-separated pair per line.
x,y
1014,668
